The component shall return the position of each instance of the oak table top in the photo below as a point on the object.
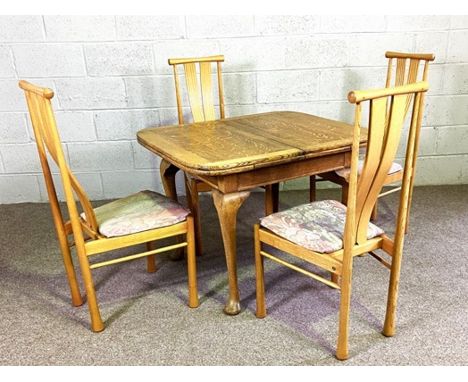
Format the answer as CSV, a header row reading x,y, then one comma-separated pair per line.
x,y
243,143
234,155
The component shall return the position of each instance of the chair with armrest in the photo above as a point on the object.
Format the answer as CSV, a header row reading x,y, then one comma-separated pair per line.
x,y
141,218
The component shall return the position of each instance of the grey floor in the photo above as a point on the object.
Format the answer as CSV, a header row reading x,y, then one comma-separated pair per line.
x,y
148,322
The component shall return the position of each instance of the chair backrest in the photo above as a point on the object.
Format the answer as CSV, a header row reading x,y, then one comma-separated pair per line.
x,y
385,129
200,97
407,69
48,141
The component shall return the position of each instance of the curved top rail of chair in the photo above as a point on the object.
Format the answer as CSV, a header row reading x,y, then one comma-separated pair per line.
x,y
418,56
357,96
43,92
177,61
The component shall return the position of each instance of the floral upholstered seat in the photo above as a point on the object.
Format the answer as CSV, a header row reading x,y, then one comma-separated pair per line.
x,y
317,226
139,212
344,172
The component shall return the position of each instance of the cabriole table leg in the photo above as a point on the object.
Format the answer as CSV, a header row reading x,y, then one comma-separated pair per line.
x,y
227,206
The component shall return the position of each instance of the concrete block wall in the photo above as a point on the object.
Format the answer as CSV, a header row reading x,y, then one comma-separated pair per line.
x,y
111,79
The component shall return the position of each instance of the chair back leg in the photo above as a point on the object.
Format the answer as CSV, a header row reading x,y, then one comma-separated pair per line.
x,y
69,269
191,264
97,324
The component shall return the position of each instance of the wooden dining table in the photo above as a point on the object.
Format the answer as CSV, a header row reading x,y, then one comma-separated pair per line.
x,y
236,155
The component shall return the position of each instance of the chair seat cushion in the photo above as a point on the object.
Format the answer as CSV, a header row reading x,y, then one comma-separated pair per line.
x,y
318,226
139,212
344,172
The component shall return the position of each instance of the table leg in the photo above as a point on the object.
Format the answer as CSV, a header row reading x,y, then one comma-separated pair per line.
x,y
168,173
227,206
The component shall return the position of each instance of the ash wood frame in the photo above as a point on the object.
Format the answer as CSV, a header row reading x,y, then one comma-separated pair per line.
x,y
86,237
200,94
384,136
406,72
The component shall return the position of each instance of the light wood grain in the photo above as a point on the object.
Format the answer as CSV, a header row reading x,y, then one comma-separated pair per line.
x,y
250,157
407,71
199,86
187,60
197,72
241,143
385,126
86,236
418,56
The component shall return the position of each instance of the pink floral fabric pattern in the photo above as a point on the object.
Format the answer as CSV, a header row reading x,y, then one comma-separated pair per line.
x,y
318,226
344,172
139,212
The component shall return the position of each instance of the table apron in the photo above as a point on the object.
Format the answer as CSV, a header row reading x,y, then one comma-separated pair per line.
x,y
277,173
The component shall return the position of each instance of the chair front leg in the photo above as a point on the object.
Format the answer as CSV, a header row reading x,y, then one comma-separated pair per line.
x,y
70,270
259,276
191,264
96,321
343,330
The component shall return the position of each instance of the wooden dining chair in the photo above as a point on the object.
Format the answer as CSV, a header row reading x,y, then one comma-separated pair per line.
x,y
327,233
407,71
141,218
199,89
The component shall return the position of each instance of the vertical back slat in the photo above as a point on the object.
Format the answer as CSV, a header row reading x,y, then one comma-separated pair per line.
x,y
411,151
207,91
411,78
353,198
180,113
51,126
46,129
389,149
37,117
49,181
84,201
48,140
220,90
70,184
412,71
389,73
193,90
426,67
376,135
400,72
199,88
